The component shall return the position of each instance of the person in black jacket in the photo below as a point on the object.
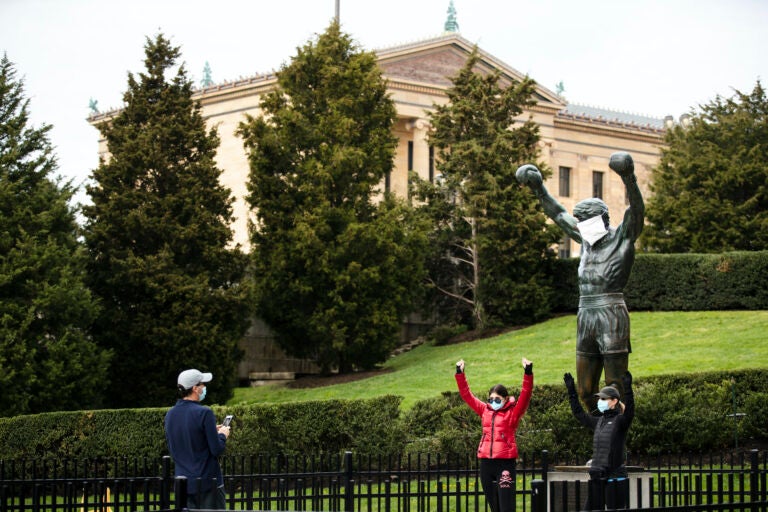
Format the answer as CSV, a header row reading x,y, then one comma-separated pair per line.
x,y
608,442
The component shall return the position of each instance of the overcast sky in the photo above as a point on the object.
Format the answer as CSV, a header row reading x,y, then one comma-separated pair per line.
x,y
652,57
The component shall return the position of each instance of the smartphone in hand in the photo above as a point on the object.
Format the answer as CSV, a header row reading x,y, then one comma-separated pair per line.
x,y
227,420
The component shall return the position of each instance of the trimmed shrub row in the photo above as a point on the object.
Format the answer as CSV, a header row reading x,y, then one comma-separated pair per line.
x,y
675,413
365,426
681,282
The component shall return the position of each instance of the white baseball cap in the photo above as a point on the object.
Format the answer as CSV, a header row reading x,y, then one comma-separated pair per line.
x,y
190,378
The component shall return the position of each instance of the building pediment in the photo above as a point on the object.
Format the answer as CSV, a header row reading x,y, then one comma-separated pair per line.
x,y
434,62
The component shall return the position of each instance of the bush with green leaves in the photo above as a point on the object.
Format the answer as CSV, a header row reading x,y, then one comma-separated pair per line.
x,y
173,288
681,282
708,189
335,270
48,359
370,427
674,414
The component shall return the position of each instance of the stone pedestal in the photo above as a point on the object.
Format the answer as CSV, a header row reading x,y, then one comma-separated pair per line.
x,y
639,487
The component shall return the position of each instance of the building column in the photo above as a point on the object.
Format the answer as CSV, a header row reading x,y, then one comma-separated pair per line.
x,y
420,128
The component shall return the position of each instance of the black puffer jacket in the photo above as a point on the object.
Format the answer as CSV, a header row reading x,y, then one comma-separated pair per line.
x,y
610,435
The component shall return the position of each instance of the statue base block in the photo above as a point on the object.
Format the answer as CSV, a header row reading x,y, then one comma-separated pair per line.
x,y
567,484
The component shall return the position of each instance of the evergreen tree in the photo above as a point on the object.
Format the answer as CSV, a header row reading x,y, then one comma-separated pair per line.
x,y
491,244
335,273
158,233
48,361
710,189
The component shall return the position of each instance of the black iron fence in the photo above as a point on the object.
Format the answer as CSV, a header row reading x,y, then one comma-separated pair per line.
x,y
352,482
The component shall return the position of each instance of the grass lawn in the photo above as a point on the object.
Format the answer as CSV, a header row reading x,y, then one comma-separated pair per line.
x,y
662,343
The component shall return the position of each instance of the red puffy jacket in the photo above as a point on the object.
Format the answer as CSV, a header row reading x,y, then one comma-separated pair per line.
x,y
498,441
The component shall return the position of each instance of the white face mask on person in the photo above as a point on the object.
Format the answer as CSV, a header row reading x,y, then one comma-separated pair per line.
x,y
602,405
592,229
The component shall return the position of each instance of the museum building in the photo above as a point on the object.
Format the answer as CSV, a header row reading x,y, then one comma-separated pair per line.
x,y
576,143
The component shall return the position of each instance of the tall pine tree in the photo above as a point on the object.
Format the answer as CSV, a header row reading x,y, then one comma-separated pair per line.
x,y
48,361
710,189
335,272
491,245
158,233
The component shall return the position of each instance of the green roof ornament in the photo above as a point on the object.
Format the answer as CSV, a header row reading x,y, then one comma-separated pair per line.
x,y
560,88
451,25
207,81
93,105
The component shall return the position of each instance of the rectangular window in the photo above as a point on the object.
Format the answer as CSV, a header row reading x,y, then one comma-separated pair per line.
x,y
565,182
597,184
386,181
410,168
431,164
564,249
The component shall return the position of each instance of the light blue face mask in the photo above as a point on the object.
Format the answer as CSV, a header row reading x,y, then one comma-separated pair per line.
x,y
602,405
496,403
202,395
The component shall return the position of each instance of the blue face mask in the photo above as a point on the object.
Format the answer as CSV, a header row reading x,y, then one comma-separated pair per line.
x,y
497,405
602,405
202,395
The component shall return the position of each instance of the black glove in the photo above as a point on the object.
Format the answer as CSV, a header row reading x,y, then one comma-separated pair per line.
x,y
626,380
528,369
458,368
569,384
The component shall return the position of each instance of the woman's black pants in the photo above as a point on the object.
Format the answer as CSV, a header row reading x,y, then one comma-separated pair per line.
x,y
498,478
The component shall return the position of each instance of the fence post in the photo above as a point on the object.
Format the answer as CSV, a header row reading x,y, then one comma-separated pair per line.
x,y
754,476
544,464
349,499
617,493
180,488
538,495
165,487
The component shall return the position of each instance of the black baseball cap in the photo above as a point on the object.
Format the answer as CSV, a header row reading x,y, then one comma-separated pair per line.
x,y
608,392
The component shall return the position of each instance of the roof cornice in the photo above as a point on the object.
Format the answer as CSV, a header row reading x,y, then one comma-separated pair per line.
x,y
604,127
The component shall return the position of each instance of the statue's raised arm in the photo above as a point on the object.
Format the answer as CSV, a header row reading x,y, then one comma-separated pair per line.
x,y
530,175
634,218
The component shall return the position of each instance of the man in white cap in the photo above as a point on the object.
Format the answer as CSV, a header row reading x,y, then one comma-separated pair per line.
x,y
195,442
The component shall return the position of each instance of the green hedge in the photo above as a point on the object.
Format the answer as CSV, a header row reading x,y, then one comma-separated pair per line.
x,y
681,282
364,426
674,414
84,434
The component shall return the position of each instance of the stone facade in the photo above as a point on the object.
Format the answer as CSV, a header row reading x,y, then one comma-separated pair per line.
x,y
418,75
578,139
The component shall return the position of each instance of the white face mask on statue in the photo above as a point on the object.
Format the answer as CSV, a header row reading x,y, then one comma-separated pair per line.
x,y
592,229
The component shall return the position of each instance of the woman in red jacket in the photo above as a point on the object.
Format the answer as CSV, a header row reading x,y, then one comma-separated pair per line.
x,y
498,449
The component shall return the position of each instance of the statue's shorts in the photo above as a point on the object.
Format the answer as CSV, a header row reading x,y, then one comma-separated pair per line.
x,y
602,325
